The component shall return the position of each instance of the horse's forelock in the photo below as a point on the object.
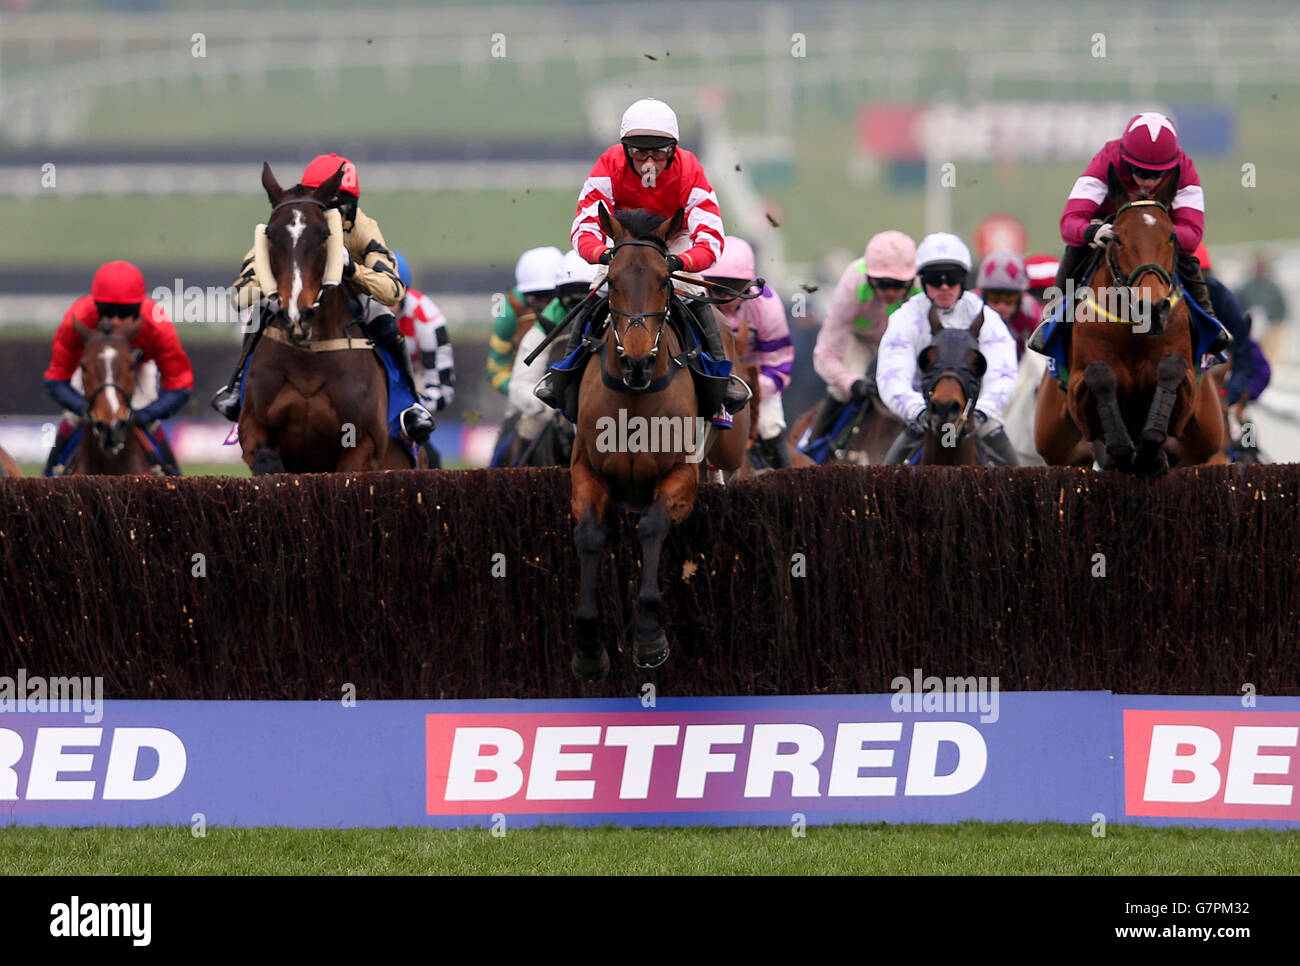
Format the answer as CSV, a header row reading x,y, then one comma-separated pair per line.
x,y
641,224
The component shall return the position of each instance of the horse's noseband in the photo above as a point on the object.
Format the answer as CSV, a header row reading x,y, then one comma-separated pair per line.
x,y
638,318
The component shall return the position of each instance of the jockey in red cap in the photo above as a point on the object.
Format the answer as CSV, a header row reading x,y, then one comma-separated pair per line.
x,y
369,270
1146,154
117,305
648,170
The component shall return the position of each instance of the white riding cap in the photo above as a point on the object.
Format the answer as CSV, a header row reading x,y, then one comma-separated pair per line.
x,y
536,269
574,268
648,117
942,248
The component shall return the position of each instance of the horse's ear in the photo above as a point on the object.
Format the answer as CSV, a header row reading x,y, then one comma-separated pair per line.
x,y
1169,186
672,226
925,358
1115,190
327,189
613,227
979,323
935,325
85,332
978,363
273,190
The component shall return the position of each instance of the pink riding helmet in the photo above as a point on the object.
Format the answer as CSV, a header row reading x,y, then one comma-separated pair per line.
x,y
891,254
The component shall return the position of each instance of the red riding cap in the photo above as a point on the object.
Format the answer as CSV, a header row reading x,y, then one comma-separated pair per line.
x,y
118,282
322,168
1150,141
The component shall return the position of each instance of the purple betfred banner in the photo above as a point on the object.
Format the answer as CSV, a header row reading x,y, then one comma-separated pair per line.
x,y
1055,756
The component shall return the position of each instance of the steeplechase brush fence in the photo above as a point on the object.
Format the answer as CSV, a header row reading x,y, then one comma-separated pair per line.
x,y
463,584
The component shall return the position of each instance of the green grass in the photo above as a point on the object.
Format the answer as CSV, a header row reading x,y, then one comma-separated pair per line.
x,y
190,469
969,848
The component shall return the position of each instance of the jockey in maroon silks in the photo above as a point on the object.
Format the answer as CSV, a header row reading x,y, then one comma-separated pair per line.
x,y
1146,154
117,305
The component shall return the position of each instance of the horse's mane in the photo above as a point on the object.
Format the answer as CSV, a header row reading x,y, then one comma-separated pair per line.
x,y
640,223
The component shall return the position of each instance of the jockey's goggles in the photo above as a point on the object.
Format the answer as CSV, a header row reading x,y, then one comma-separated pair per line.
x,y
1145,174
993,296
117,310
944,276
894,283
648,154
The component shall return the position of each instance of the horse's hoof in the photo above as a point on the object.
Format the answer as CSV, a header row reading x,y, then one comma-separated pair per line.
x,y
652,653
1155,465
590,669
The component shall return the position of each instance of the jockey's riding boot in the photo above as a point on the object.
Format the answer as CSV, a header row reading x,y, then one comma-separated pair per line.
x,y
226,399
417,422
1066,272
159,436
824,418
1000,446
1189,271
776,451
904,446
60,441
738,394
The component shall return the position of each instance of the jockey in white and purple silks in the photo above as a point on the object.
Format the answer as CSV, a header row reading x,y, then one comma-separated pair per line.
x,y
943,263
770,348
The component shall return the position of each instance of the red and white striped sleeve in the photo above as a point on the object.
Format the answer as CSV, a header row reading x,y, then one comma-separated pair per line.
x,y
586,234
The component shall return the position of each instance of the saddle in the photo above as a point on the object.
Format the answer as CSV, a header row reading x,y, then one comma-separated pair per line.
x,y
1052,337
711,376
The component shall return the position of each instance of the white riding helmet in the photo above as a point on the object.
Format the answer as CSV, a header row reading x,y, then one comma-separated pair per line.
x,y
573,269
942,248
1003,272
648,117
737,260
536,269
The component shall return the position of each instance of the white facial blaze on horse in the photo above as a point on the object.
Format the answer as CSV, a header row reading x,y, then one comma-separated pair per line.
x,y
106,356
295,233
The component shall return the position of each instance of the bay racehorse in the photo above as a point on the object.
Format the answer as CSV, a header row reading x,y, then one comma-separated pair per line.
x,y
315,396
641,379
869,436
8,465
952,368
1132,361
112,443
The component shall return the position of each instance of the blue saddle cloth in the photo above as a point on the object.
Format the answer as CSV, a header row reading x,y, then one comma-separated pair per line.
x,y
711,375
69,449
399,399
819,449
1205,330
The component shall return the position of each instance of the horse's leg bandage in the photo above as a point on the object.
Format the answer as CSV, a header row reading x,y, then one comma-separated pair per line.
x,y
1101,382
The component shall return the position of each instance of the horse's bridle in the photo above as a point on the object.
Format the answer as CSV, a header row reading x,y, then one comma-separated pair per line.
x,y
1148,268
963,373
638,318
287,203
135,362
